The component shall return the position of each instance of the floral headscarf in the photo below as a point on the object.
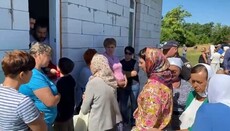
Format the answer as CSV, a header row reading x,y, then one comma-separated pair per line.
x,y
100,68
157,66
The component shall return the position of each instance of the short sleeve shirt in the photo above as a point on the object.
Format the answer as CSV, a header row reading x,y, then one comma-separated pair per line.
x,y
38,81
16,110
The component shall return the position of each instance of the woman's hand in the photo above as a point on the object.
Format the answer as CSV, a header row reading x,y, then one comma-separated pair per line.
x,y
53,71
135,113
83,96
121,83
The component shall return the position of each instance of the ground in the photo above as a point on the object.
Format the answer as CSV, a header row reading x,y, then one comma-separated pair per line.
x,y
193,54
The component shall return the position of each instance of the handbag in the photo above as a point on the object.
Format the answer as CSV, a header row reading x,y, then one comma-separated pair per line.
x,y
81,122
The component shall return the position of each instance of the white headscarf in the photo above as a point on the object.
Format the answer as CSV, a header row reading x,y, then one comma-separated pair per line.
x,y
176,62
209,69
219,89
210,74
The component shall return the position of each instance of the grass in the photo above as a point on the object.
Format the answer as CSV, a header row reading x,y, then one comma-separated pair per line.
x,y
193,54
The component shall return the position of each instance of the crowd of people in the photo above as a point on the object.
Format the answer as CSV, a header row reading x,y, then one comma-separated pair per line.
x,y
175,96
217,57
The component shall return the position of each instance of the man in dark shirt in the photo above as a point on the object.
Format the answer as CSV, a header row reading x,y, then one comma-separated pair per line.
x,y
66,86
170,49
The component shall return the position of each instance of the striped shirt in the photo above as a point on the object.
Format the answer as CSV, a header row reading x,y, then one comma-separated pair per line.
x,y
16,110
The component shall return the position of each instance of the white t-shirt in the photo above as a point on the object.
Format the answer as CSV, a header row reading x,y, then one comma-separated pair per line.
x,y
215,58
187,118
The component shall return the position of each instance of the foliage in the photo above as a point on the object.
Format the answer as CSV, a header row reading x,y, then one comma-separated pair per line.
x,y
220,34
174,27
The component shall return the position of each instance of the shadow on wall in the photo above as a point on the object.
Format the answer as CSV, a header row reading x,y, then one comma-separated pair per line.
x,y
1,76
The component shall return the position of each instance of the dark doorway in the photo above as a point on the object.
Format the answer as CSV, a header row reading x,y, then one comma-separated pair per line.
x,y
39,9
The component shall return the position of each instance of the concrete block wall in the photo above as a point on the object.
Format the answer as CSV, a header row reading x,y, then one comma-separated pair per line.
x,y
86,23
14,27
148,23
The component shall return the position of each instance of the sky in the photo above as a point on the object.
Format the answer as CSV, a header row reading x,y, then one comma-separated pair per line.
x,y
203,11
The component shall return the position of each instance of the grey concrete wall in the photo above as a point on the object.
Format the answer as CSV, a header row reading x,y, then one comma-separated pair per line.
x,y
14,26
148,23
86,23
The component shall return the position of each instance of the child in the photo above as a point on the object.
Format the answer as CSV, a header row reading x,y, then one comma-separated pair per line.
x,y
66,86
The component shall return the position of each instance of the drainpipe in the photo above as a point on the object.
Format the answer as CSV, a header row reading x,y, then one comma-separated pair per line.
x,y
60,47
134,24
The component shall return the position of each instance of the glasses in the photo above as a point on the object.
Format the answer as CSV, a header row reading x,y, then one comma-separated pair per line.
x,y
128,53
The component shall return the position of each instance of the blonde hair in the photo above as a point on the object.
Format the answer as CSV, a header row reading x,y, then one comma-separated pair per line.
x,y
203,49
40,48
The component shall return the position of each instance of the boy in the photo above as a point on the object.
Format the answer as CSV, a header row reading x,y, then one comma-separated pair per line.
x,y
66,86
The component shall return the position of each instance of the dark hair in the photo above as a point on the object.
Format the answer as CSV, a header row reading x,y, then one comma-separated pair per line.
x,y
109,41
32,15
129,48
88,55
141,54
199,68
65,65
17,61
41,23
165,51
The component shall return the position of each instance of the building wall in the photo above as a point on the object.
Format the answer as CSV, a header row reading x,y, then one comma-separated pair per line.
x,y
148,23
14,26
85,24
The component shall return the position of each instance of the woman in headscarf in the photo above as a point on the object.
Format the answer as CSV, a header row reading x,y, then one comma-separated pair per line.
x,y
181,89
214,116
100,96
200,75
155,100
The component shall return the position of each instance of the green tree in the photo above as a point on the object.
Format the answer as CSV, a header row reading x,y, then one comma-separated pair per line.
x,y
220,34
173,25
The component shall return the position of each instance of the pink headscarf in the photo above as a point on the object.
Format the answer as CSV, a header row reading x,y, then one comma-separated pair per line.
x,y
157,66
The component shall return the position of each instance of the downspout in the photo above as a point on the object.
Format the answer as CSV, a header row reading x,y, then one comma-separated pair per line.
x,y
60,27
134,24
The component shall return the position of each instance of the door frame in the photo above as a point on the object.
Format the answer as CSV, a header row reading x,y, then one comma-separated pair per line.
x,y
55,29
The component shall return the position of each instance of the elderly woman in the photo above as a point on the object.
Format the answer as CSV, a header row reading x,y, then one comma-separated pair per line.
x,y
200,75
114,62
214,116
181,89
17,111
155,100
40,89
100,96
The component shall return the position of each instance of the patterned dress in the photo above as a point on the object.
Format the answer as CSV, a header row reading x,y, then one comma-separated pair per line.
x,y
154,106
155,101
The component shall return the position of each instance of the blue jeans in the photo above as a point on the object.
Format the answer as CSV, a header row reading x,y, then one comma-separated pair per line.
x,y
123,96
